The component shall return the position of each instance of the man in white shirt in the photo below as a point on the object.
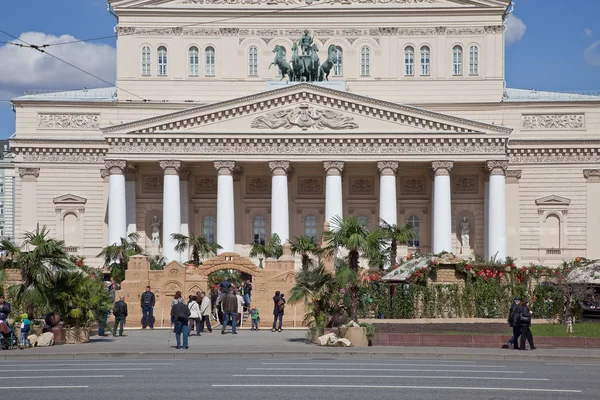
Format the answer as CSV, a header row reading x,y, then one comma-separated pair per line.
x,y
240,301
205,310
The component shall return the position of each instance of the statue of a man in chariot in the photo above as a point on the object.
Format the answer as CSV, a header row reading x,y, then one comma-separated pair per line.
x,y
306,42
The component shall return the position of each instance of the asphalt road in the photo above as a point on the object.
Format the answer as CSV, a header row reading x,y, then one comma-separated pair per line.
x,y
289,378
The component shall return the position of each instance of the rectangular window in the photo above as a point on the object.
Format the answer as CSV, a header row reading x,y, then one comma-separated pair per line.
x,y
425,63
474,61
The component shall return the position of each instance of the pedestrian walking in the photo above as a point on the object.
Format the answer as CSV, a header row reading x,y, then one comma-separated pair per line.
x,y
512,315
176,299
240,301
195,316
181,314
147,301
25,328
4,306
120,313
523,319
229,303
255,316
278,310
205,312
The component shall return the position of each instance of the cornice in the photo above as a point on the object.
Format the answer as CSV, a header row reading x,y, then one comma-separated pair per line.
x,y
556,142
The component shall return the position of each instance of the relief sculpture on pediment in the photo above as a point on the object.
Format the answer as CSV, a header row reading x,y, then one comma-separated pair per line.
x,y
304,116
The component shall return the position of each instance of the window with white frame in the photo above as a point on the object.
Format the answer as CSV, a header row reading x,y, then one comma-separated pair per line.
x,y
259,229
194,56
425,61
338,67
209,53
146,61
413,221
310,226
474,60
365,61
162,61
409,61
457,60
363,220
208,228
253,61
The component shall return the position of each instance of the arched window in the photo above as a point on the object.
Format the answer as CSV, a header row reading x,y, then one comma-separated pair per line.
x,y
210,61
71,233
146,60
409,61
258,229
413,220
551,232
425,61
162,61
457,60
310,226
253,61
474,60
365,61
338,67
194,61
208,228
363,220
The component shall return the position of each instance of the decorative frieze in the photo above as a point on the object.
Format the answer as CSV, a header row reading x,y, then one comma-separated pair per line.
x,y
412,185
152,183
205,184
258,185
170,167
497,167
29,174
465,31
466,184
304,116
74,157
68,121
592,175
361,185
310,185
494,29
308,2
553,121
387,167
442,167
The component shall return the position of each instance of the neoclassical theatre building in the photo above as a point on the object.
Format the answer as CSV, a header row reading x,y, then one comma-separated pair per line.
x,y
238,119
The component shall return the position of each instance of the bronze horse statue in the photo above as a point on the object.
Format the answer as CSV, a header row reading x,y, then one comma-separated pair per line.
x,y
325,68
296,64
280,61
310,65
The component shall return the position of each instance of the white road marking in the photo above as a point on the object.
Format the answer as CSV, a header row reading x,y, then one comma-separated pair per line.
x,y
82,365
89,369
385,369
397,376
41,387
575,365
403,387
275,358
61,376
388,365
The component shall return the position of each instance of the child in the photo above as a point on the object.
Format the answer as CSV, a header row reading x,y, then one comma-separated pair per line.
x,y
25,327
255,318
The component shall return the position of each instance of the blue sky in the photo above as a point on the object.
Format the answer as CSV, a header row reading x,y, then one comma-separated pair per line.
x,y
555,46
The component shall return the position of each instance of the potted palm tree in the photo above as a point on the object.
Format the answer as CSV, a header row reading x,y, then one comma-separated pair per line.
x,y
273,249
116,256
200,247
307,248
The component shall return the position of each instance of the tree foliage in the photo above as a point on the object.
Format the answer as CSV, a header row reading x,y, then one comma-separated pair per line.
x,y
199,246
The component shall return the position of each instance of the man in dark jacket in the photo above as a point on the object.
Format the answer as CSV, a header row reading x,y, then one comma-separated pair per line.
x,y
147,301
181,315
278,310
4,307
523,320
120,313
229,304
511,322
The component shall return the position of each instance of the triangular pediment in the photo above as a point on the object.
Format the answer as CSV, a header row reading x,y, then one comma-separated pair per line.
x,y
306,108
69,199
553,200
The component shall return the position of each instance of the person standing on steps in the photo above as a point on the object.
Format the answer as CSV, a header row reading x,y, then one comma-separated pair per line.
x,y
523,319
147,301
278,310
120,313
229,303
181,315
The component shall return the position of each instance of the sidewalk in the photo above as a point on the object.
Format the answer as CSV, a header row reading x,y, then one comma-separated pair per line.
x,y
266,344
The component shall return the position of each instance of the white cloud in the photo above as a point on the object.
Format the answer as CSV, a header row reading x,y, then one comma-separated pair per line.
x,y
588,32
26,69
515,29
592,54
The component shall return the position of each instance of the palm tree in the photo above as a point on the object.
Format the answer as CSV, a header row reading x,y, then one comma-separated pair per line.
x,y
116,256
306,247
273,249
40,260
157,262
396,235
353,236
200,247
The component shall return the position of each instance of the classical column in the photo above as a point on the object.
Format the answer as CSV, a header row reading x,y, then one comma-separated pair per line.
x,y
130,200
185,208
171,208
486,209
497,209
592,177
117,203
513,214
333,190
442,207
388,203
225,206
280,213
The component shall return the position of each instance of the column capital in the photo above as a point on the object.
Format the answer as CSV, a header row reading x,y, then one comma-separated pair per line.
x,y
104,173
513,175
387,167
185,174
29,174
333,167
497,167
170,167
130,173
442,168
279,167
224,167
115,167
592,175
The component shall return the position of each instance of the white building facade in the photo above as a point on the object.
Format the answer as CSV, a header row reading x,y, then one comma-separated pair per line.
x,y
414,125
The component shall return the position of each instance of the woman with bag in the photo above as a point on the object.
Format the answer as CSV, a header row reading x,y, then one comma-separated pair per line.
x,y
524,322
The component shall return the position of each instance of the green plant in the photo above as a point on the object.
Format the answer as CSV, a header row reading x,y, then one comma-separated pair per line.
x,y
200,247
306,247
370,329
234,276
316,288
116,255
157,263
396,235
273,249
